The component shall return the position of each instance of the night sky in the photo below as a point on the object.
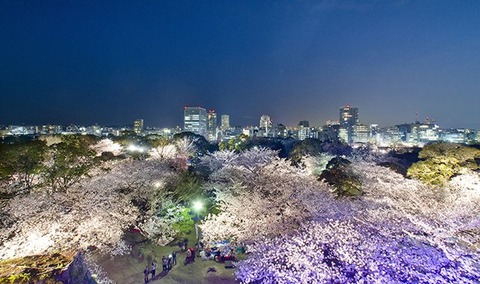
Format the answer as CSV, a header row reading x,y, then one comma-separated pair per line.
x,y
110,62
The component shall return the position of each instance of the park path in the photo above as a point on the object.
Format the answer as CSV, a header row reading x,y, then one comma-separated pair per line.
x,y
129,270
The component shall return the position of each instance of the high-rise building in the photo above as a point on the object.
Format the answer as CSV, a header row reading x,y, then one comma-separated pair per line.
x,y
265,124
303,130
348,118
138,126
212,125
265,121
361,133
225,122
304,123
195,120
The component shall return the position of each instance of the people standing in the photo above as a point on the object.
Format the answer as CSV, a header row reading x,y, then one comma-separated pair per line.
x,y
154,267
174,258
188,257
164,263
169,262
145,274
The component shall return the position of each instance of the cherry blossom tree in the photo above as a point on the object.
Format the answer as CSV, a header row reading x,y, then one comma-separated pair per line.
x,y
94,212
258,195
177,154
107,145
399,230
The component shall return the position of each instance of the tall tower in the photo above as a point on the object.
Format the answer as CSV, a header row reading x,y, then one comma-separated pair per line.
x,y
348,118
138,126
265,124
225,118
195,120
212,125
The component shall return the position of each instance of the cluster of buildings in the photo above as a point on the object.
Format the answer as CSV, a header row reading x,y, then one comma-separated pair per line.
x,y
347,129
201,121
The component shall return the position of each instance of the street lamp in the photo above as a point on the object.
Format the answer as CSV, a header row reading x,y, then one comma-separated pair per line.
x,y
197,207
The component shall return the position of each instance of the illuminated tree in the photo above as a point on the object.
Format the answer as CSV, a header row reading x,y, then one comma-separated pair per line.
x,y
398,231
68,162
107,146
93,212
237,143
20,164
257,195
338,173
442,161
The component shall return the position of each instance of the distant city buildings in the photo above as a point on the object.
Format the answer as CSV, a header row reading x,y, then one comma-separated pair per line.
x,y
348,119
304,130
225,122
195,120
347,129
212,125
138,126
360,133
265,125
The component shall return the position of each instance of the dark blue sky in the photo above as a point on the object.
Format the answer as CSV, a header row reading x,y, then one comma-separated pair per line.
x,y
110,62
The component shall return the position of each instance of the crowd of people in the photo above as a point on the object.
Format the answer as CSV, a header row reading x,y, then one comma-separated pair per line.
x,y
167,263
219,252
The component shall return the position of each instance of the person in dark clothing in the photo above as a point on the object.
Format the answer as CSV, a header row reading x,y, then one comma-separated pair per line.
x,y
145,274
164,263
188,257
169,262
193,254
154,267
174,258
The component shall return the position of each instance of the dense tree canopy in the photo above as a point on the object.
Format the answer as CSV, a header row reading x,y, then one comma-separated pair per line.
x,y
441,161
21,162
68,161
299,226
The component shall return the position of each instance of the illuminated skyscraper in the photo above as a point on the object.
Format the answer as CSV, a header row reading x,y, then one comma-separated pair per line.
x,y
348,118
195,120
361,133
212,125
265,124
138,126
225,122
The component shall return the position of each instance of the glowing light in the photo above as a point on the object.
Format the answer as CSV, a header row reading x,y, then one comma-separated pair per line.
x,y
197,205
135,148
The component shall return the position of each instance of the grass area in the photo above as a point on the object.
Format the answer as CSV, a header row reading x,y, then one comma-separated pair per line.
x,y
129,268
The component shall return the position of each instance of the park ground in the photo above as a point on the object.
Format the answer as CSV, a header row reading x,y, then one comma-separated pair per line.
x,y
128,269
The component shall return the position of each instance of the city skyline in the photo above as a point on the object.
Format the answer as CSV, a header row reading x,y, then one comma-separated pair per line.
x,y
98,63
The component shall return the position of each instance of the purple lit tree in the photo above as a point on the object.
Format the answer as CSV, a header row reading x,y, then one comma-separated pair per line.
x,y
398,230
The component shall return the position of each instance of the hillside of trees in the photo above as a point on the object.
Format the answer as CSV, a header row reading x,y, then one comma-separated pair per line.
x,y
308,211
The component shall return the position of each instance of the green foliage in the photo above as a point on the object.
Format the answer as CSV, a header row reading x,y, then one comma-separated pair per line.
x,y
23,159
238,143
314,147
154,141
339,174
69,161
307,147
185,225
441,161
185,187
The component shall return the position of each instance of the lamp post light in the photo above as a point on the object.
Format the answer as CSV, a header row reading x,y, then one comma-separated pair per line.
x,y
197,207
